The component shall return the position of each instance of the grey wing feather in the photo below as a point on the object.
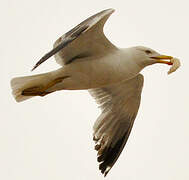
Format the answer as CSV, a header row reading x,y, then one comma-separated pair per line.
x,y
81,40
119,104
63,44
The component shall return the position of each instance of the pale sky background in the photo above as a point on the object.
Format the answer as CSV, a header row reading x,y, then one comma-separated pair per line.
x,y
50,138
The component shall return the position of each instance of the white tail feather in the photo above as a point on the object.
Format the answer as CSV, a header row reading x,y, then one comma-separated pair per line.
x,y
20,83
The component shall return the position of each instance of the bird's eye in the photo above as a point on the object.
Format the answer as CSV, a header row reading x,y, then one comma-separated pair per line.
x,y
148,52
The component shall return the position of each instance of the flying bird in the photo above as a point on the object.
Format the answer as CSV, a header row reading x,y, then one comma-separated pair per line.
x,y
111,75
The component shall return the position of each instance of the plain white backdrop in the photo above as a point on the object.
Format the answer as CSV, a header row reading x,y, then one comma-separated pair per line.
x,y
50,138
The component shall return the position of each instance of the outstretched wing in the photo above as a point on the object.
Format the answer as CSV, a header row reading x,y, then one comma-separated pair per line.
x,y
119,104
86,39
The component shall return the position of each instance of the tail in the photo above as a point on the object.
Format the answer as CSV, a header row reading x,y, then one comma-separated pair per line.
x,y
19,84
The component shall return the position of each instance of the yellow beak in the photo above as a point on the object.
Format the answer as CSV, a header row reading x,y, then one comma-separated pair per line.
x,y
161,59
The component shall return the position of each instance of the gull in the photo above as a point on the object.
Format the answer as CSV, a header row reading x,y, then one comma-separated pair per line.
x,y
111,75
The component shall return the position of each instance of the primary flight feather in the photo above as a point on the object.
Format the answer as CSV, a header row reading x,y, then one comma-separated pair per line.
x,y
110,74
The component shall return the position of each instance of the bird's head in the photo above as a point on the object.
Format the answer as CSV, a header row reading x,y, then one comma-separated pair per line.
x,y
145,56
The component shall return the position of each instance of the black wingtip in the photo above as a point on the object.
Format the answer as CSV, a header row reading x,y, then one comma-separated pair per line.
x,y
34,68
106,172
110,154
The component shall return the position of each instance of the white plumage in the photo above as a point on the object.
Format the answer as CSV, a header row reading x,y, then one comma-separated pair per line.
x,y
90,61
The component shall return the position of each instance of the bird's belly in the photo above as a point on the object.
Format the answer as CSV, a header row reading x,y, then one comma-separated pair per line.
x,y
94,74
